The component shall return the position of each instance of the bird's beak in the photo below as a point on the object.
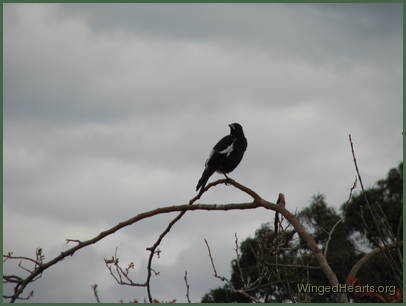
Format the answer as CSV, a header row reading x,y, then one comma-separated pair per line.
x,y
230,125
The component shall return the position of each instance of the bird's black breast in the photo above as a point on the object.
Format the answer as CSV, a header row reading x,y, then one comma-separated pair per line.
x,y
235,157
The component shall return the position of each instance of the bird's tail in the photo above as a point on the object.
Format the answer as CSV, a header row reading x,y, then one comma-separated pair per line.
x,y
205,177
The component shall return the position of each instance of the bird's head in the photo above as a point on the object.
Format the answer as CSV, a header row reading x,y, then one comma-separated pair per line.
x,y
235,129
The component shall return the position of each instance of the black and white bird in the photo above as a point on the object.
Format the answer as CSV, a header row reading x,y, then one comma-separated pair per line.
x,y
226,154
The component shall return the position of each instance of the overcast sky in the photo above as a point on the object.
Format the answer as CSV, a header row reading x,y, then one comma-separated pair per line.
x,y
112,109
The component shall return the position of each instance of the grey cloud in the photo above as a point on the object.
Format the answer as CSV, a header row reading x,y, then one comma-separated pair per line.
x,y
265,25
111,110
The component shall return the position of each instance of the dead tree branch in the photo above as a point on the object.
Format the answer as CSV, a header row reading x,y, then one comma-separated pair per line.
x,y
226,280
96,295
352,276
237,253
382,227
380,221
187,287
216,275
256,203
329,236
358,265
121,275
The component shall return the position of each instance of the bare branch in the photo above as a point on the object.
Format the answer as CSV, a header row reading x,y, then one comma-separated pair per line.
x,y
381,227
187,287
379,220
238,260
153,249
12,279
73,240
121,275
96,295
358,265
352,189
222,278
258,202
9,256
356,168
30,295
329,236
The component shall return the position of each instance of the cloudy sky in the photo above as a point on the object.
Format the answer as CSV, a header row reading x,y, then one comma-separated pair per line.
x,y
111,110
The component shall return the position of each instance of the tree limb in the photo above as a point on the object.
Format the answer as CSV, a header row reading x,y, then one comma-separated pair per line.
x,y
257,202
358,265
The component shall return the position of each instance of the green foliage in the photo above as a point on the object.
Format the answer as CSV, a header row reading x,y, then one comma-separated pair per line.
x,y
385,210
224,295
379,224
269,267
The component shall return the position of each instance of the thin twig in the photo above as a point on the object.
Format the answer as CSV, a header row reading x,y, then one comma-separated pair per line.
x,y
96,295
329,236
357,266
222,278
352,189
377,225
121,275
381,224
8,256
187,287
238,260
73,240
153,248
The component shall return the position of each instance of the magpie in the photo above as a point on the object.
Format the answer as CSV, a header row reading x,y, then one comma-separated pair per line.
x,y
226,155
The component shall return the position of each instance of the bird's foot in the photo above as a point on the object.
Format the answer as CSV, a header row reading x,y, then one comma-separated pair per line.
x,y
228,180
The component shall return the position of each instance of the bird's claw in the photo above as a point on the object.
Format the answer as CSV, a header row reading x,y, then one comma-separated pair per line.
x,y
228,180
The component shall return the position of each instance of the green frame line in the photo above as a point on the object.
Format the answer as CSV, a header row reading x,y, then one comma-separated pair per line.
x,y
185,2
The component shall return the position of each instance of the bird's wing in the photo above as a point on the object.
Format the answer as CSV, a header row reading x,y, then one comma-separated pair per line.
x,y
221,150
224,144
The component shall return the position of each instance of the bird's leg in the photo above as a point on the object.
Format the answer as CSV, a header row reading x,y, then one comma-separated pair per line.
x,y
227,178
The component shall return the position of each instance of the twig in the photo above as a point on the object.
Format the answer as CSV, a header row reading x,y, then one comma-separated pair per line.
x,y
153,248
73,240
222,278
96,295
377,225
238,260
329,236
30,295
9,256
357,266
121,275
352,189
356,168
381,223
187,287
12,279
